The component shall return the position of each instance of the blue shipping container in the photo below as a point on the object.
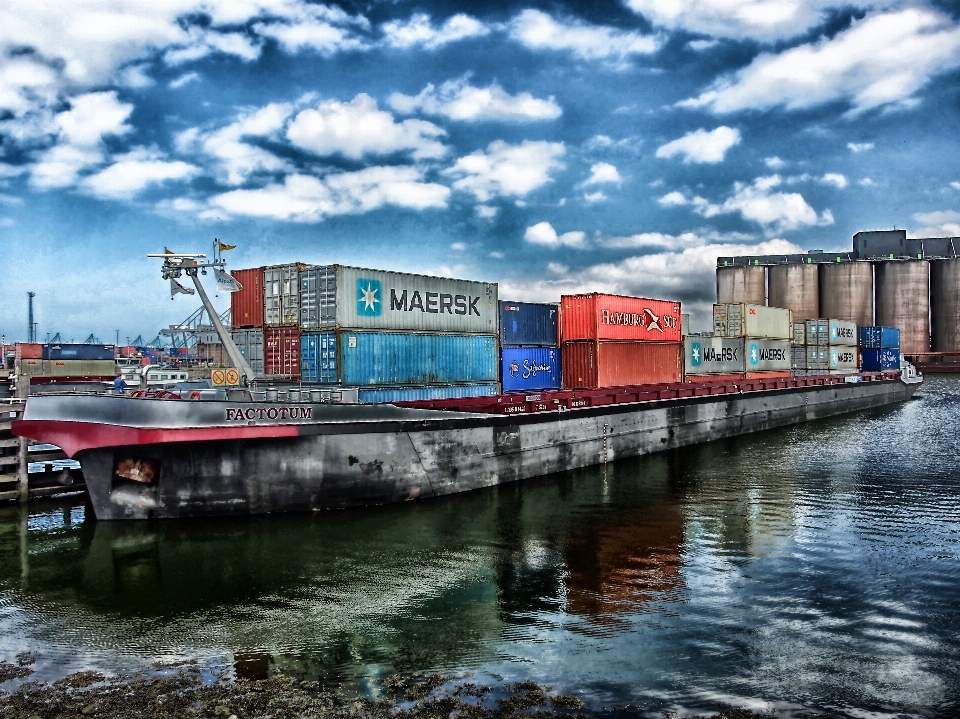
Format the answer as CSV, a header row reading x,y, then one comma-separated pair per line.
x,y
874,360
379,395
879,337
78,352
529,368
357,359
528,323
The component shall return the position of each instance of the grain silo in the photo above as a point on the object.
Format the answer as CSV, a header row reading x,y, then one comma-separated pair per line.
x,y
742,284
903,300
796,287
846,292
945,305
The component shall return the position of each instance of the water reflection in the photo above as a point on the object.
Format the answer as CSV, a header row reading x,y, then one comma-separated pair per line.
x,y
815,566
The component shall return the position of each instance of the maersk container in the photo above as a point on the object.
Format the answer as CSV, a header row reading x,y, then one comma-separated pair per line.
x,y
79,352
735,319
818,332
250,344
879,338
712,355
338,297
598,316
765,355
591,365
841,332
529,324
843,358
281,295
879,359
529,368
246,306
382,395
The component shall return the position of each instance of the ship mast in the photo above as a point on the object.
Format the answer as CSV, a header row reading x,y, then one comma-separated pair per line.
x,y
174,265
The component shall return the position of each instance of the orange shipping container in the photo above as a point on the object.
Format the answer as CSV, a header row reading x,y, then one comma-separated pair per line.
x,y
27,350
589,365
614,317
281,352
246,306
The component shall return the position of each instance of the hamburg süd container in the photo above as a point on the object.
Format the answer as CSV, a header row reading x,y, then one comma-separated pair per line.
x,y
817,357
281,295
383,395
368,358
250,343
590,365
818,332
799,334
879,338
843,357
879,359
281,352
841,332
598,316
735,319
246,306
79,352
80,368
339,297
529,324
529,368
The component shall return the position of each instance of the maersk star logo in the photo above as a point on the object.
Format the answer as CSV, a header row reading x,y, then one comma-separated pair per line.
x,y
369,298
696,357
754,354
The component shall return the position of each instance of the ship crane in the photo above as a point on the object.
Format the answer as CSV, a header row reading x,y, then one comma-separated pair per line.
x,y
175,265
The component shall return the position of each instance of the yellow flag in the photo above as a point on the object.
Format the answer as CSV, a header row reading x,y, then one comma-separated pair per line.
x,y
167,251
223,247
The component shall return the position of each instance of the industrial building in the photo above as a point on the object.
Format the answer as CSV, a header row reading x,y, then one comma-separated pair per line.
x,y
886,280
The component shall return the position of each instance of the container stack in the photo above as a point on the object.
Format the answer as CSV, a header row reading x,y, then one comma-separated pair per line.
x,y
830,347
612,340
748,341
880,348
529,346
28,358
79,360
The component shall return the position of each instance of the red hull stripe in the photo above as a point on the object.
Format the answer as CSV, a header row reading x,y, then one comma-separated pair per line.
x,y
73,437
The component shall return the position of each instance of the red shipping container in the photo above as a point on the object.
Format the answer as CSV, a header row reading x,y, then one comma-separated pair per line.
x,y
707,378
590,365
614,317
246,306
27,350
281,352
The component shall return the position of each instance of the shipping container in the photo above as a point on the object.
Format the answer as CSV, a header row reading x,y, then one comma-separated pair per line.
x,y
79,352
879,338
28,350
592,365
784,374
250,344
684,324
318,357
615,317
721,355
841,332
818,332
281,295
338,297
817,357
799,334
843,357
400,358
877,359
246,306
735,319
281,352
382,395
798,357
529,324
529,368
702,378
30,366
80,368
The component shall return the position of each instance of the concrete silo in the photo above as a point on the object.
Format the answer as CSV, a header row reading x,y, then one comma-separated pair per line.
x,y
846,292
945,305
796,287
742,284
903,300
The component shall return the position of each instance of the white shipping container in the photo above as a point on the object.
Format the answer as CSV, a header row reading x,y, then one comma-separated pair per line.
x,y
799,334
334,296
736,319
281,295
765,355
842,332
843,358
712,355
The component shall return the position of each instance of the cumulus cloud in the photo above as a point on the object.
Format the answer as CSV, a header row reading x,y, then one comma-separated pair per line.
x,y
321,28
955,185
305,198
507,170
134,171
702,146
860,146
357,128
602,173
419,31
538,31
458,100
774,163
909,47
757,202
663,241
543,233
834,178
942,223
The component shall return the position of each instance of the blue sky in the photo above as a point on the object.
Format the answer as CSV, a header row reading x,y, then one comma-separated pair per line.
x,y
550,147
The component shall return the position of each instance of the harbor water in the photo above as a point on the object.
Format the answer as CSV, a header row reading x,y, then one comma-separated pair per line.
x,y
803,571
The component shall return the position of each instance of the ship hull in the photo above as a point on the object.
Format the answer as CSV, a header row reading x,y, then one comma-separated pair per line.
x,y
354,463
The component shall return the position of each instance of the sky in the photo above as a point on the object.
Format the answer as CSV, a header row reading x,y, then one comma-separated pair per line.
x,y
550,147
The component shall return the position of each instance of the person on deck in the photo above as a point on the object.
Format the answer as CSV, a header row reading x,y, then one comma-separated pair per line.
x,y
119,385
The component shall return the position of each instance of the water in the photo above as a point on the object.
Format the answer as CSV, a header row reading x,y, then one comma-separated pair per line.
x,y
809,569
